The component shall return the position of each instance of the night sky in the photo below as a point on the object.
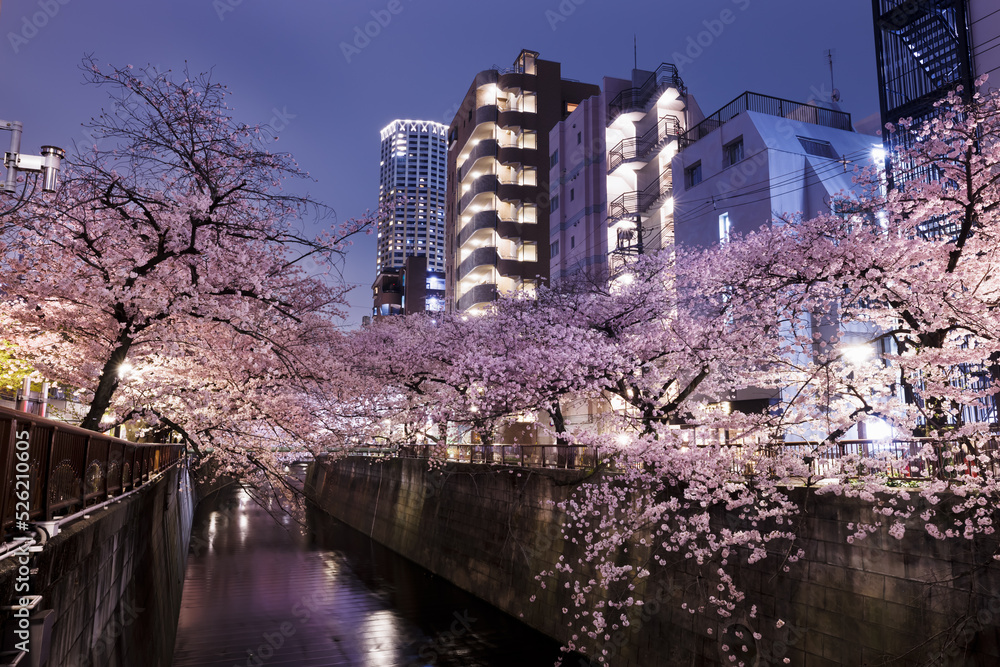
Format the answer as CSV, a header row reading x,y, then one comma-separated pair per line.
x,y
297,64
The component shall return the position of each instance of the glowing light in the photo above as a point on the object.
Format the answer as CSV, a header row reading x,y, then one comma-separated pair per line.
x,y
125,369
857,354
878,154
878,429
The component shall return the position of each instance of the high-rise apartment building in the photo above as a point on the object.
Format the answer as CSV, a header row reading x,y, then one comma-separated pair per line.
x,y
412,174
413,183
498,192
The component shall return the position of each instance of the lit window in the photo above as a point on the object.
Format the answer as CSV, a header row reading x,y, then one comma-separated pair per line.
x,y
724,227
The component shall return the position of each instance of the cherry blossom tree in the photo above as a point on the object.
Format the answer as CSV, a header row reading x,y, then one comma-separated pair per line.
x,y
172,277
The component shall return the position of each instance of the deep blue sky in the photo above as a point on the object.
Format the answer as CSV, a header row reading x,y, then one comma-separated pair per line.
x,y
287,56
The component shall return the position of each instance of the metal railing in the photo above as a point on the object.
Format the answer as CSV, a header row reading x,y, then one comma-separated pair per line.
x,y
772,106
900,459
572,457
638,148
51,468
632,204
636,99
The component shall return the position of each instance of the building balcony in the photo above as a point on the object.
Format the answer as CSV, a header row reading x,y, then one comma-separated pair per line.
x,y
513,155
484,187
484,149
636,100
517,119
489,220
633,205
638,149
480,295
479,257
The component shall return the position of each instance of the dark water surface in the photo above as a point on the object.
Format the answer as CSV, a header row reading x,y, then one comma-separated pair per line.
x,y
260,591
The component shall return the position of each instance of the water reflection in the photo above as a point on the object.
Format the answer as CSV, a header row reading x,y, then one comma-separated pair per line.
x,y
260,591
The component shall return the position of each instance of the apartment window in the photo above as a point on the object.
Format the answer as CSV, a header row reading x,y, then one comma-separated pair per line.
x,y
571,107
572,242
572,194
579,138
724,227
554,249
554,158
818,147
692,175
732,152
554,204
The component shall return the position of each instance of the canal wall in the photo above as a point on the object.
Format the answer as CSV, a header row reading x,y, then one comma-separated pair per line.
x,y
915,601
113,581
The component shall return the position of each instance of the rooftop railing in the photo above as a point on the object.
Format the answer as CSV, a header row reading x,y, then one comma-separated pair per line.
x,y
772,106
636,99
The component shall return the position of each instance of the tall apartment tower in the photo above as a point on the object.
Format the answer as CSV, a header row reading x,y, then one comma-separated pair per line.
x,y
498,194
925,49
412,173
610,172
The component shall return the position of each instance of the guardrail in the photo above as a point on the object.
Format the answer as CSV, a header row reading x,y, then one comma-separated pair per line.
x,y
896,459
51,468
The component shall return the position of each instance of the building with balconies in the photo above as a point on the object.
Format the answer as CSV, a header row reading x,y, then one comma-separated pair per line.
x,y
610,172
924,49
497,221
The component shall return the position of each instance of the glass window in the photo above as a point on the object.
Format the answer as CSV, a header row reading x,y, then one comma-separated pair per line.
x,y
732,152
692,175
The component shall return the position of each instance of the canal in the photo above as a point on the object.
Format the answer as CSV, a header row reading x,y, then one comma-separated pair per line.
x,y
265,587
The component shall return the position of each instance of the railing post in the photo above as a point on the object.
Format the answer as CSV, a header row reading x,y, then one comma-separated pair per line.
x,y
83,473
7,473
46,470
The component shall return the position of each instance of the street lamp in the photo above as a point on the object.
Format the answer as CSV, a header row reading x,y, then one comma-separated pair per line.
x,y
46,164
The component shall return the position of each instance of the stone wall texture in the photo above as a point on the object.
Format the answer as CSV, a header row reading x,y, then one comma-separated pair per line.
x,y
114,580
880,601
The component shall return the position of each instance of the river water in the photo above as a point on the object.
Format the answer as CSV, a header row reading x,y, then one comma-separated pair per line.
x,y
262,588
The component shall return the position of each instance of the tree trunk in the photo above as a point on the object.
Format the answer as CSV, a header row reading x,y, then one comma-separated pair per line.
x,y
567,455
108,383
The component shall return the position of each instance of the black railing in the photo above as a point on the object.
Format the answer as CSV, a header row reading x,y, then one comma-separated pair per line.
x,y
901,459
50,468
633,204
573,457
636,99
772,106
638,148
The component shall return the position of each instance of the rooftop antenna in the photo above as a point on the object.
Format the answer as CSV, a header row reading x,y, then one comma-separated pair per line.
x,y
834,93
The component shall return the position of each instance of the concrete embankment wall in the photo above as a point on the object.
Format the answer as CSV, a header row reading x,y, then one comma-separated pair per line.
x,y
915,601
114,580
